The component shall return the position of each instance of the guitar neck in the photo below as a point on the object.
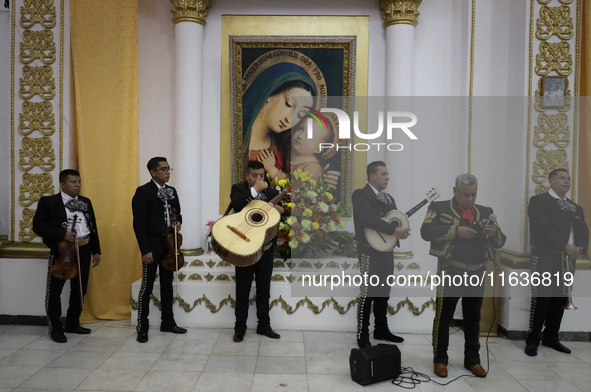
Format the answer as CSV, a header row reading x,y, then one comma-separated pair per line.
x,y
277,198
416,208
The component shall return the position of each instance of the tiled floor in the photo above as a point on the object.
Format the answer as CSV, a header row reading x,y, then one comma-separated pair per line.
x,y
207,360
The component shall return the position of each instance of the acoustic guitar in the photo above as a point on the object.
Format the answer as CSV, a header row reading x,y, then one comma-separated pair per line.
x,y
239,238
384,242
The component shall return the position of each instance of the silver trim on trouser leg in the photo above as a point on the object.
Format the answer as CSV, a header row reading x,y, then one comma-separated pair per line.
x,y
363,268
534,295
47,283
141,295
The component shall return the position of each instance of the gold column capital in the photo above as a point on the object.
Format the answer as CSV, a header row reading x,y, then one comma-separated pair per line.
x,y
190,11
400,12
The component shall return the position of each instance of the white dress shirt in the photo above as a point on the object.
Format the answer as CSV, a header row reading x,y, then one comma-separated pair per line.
x,y
82,229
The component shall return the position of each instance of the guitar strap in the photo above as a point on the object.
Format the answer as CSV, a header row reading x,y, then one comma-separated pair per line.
x,y
228,209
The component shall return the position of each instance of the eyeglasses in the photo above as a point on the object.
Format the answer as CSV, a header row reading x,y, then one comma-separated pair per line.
x,y
166,169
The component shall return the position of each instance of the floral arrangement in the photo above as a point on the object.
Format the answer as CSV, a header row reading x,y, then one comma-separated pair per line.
x,y
208,227
314,218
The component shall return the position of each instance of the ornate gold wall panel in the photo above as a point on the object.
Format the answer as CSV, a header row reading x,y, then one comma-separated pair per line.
x,y
34,89
551,45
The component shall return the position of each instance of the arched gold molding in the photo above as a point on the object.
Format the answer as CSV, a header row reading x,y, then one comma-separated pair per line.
x,y
400,12
190,11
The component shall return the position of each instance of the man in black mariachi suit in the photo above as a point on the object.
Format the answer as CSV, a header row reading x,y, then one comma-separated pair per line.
x,y
241,194
559,235
53,221
463,238
369,205
151,205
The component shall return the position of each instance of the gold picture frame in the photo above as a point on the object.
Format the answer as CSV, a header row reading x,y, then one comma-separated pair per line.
x,y
328,62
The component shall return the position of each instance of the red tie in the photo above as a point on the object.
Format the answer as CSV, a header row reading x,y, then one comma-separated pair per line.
x,y
467,213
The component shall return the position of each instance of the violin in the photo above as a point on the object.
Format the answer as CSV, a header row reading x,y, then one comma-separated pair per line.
x,y
66,265
175,260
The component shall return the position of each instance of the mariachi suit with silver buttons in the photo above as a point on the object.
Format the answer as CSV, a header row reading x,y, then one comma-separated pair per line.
x,y
240,196
457,256
51,223
151,228
367,213
550,228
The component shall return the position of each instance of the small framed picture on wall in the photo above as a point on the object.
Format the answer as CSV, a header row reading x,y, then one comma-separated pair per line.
x,y
553,89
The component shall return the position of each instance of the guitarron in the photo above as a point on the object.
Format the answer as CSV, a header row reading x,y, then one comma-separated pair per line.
x,y
384,242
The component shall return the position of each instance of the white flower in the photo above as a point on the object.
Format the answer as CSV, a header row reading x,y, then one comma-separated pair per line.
x,y
333,207
293,243
331,226
278,188
323,207
312,194
306,224
291,220
305,238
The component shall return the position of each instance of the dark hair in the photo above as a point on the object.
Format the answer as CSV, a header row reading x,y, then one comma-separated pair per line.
x,y
292,84
254,165
64,174
155,162
554,173
372,168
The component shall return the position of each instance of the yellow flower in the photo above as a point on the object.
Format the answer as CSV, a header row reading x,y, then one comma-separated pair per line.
x,y
293,243
308,212
282,183
329,195
341,223
312,182
301,175
315,225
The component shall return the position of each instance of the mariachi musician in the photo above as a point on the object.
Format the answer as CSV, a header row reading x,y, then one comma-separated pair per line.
x,y
370,203
254,188
53,220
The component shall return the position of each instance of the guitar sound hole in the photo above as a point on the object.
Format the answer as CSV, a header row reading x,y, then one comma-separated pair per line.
x,y
256,217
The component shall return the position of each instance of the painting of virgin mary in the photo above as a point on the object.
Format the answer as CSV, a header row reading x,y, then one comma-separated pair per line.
x,y
273,104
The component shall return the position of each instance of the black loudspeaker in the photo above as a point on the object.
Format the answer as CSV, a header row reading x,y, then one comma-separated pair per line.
x,y
374,364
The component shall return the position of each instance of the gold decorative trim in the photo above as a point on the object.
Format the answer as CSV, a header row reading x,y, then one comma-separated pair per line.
x,y
37,88
61,85
399,266
12,169
192,252
284,305
413,266
471,88
22,250
400,12
529,117
552,58
196,263
577,98
190,11
513,259
416,311
403,255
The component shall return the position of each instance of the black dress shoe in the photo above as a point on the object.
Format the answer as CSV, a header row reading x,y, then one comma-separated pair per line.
x,y
238,336
363,341
175,329
531,349
388,336
78,329
268,332
558,347
59,337
142,337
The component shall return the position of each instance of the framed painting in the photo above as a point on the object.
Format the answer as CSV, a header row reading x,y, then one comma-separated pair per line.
x,y
277,85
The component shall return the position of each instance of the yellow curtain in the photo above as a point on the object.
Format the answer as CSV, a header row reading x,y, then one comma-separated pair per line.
x,y
584,183
105,63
